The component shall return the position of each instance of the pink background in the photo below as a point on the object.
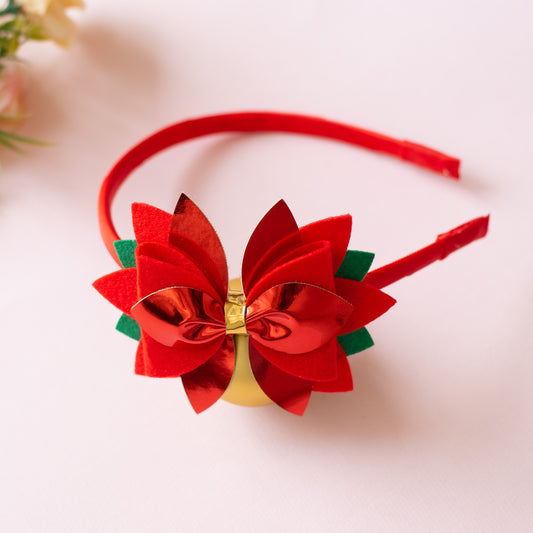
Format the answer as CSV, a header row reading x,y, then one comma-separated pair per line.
x,y
437,435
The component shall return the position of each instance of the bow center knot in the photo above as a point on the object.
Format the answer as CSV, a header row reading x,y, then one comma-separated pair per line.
x,y
235,310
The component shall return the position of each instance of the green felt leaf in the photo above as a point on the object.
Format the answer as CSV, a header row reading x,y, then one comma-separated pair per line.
x,y
129,327
126,252
355,265
356,341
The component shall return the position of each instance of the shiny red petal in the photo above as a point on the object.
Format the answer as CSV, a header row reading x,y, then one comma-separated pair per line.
x,y
336,230
289,392
296,318
344,381
274,254
154,275
175,315
150,224
309,264
205,385
120,288
165,362
368,302
139,359
273,227
318,365
188,221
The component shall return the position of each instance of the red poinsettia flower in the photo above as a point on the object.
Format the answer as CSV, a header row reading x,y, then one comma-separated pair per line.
x,y
299,302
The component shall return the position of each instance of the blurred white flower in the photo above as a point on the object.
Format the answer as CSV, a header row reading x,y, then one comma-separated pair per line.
x,y
50,16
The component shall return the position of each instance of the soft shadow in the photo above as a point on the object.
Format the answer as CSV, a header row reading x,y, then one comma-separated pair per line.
x,y
368,413
473,184
117,50
195,179
74,99
108,72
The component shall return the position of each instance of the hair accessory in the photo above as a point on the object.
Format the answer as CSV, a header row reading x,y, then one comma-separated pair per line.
x,y
303,303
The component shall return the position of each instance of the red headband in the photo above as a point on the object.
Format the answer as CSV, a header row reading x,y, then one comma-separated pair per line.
x,y
307,300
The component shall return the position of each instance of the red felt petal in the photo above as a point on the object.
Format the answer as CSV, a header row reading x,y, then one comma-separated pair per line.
x,y
154,275
201,258
205,385
273,227
289,392
300,251
309,264
168,254
274,254
139,359
150,224
165,362
368,302
318,365
336,230
120,288
188,221
344,381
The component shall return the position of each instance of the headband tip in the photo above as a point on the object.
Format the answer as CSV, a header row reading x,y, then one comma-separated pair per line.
x,y
431,159
462,235
483,226
451,168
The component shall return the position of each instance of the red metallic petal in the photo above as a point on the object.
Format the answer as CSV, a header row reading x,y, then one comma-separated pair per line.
x,y
150,224
318,365
309,264
205,385
368,302
154,275
336,230
344,381
165,362
119,287
139,359
273,227
274,254
296,318
287,391
188,221
176,315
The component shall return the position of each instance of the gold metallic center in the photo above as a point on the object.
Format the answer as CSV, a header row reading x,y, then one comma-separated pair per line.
x,y
235,311
243,388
